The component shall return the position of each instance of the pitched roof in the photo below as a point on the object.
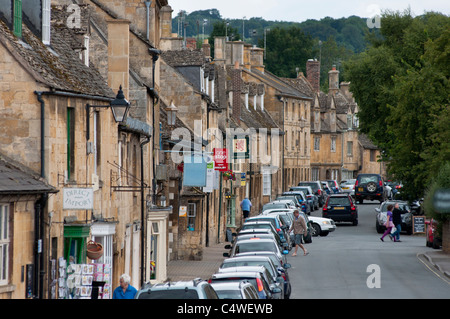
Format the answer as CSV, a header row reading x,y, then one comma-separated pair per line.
x,y
16,179
57,66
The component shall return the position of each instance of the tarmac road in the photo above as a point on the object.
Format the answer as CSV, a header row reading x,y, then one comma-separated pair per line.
x,y
352,263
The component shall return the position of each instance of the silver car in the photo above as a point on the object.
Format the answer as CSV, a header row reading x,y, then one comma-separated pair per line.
x,y
348,186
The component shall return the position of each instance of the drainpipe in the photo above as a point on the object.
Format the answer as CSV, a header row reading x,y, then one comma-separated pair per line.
x,y
143,213
39,269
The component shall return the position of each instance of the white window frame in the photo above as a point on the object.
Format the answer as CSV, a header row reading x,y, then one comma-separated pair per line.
x,y
267,181
4,244
46,18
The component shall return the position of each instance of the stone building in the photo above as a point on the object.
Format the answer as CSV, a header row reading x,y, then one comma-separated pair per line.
x,y
49,76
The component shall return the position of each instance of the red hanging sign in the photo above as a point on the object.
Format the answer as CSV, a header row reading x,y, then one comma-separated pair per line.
x,y
220,159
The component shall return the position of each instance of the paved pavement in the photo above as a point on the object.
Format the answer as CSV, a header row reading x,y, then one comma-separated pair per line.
x,y
439,262
436,260
189,269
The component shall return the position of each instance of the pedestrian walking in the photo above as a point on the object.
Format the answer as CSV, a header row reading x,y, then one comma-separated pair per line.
x,y
300,228
397,220
389,224
125,290
246,205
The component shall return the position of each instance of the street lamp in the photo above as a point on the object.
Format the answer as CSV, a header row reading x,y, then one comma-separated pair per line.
x,y
119,107
171,115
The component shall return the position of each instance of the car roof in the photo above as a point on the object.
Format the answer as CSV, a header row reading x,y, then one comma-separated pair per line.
x,y
252,231
245,241
339,195
243,269
243,258
176,285
226,285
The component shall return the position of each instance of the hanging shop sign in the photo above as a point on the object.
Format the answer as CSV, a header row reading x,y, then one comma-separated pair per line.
x,y
241,148
220,159
78,198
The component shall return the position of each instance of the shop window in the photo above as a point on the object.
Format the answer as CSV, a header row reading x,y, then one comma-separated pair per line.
x,y
231,212
191,214
4,244
75,241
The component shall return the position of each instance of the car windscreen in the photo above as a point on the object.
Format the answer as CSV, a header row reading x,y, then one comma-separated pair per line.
x,y
252,279
251,226
368,179
273,206
249,263
341,201
255,245
314,186
170,294
229,294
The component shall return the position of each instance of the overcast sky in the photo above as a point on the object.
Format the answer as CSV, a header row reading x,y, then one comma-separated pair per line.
x,y
301,10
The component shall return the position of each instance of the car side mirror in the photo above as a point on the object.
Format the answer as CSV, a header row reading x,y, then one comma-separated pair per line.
x,y
227,247
287,266
285,252
226,255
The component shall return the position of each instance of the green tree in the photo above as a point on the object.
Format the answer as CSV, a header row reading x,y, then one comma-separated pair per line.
x,y
221,29
401,84
287,49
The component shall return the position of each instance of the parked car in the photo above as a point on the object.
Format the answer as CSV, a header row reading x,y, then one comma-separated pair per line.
x,y
322,226
395,188
371,187
276,221
300,203
277,274
318,190
282,243
348,186
333,184
272,205
407,216
309,193
235,290
257,276
259,231
341,208
302,198
275,257
251,245
193,289
293,203
327,188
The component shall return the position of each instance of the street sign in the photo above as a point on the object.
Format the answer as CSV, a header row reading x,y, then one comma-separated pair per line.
x,y
78,198
220,159
441,201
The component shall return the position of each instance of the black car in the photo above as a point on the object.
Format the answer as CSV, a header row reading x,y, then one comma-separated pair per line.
x,y
317,189
341,208
371,187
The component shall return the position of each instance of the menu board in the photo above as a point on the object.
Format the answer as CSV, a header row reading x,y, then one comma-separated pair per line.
x,y
418,224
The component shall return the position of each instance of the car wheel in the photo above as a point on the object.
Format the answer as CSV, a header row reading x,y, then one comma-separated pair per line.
x,y
379,229
371,187
355,222
316,230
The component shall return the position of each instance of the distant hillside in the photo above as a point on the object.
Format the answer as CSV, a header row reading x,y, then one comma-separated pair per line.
x,y
347,32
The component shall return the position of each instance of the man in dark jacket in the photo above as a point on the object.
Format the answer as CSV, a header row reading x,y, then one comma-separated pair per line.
x,y
397,220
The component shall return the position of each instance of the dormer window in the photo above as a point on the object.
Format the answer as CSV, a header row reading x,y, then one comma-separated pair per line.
x,y
46,21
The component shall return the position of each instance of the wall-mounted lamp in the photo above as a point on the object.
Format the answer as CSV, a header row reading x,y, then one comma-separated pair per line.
x,y
171,115
119,107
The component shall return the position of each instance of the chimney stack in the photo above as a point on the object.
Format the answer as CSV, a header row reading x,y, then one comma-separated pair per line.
x,y
313,74
333,80
118,55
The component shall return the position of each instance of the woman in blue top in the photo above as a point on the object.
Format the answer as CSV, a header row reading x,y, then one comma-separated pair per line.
x,y
389,224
